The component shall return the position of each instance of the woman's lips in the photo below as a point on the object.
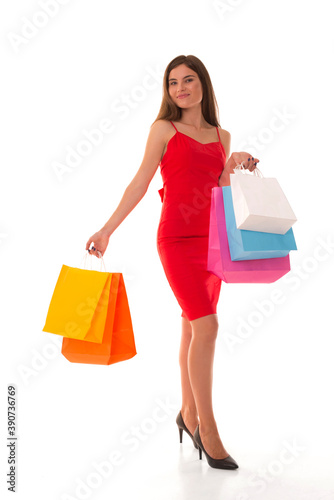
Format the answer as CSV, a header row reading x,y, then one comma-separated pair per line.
x,y
182,96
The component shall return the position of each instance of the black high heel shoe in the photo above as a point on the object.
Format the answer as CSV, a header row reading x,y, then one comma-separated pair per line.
x,y
217,463
182,427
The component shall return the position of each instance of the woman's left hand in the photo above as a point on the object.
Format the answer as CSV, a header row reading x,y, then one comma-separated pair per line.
x,y
248,161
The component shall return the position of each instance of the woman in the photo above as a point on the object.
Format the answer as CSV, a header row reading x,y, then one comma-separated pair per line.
x,y
191,149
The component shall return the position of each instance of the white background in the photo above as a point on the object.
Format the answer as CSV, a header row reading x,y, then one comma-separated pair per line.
x,y
273,386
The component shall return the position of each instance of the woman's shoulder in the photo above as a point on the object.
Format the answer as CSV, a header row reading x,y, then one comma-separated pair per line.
x,y
162,124
162,127
224,133
225,138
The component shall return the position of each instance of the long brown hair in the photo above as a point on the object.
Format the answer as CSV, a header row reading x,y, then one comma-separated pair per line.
x,y
170,111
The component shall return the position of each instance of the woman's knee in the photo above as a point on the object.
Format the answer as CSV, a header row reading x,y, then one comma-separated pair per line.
x,y
206,326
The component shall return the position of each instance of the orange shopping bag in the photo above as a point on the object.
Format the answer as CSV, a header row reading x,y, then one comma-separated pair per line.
x,y
101,314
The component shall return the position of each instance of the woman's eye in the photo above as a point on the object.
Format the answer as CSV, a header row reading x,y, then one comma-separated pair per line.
x,y
188,80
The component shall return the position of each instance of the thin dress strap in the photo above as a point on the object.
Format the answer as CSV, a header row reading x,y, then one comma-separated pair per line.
x,y
173,125
219,136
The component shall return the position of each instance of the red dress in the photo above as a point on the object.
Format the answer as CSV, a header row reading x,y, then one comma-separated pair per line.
x,y
189,170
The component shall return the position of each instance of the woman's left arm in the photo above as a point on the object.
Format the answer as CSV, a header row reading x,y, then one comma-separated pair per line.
x,y
234,160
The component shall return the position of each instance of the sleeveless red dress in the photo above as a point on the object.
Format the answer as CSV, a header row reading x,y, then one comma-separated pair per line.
x,y
189,170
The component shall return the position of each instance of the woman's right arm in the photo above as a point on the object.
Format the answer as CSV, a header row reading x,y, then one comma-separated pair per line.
x,y
137,188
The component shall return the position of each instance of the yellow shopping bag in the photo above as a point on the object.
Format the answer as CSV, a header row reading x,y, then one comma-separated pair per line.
x,y
79,304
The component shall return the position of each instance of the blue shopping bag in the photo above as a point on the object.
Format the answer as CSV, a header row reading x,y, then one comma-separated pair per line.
x,y
251,245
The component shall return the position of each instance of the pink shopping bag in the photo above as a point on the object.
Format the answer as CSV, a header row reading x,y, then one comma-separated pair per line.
x,y
219,258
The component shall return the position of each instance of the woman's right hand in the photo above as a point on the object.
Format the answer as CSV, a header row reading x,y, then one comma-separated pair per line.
x,y
100,242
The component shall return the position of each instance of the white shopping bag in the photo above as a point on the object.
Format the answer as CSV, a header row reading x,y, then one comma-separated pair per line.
x,y
259,203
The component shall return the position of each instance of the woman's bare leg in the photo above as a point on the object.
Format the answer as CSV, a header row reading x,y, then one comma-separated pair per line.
x,y
200,366
188,410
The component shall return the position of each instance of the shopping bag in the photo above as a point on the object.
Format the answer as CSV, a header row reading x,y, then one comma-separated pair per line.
x,y
219,260
78,304
118,343
250,245
116,335
259,203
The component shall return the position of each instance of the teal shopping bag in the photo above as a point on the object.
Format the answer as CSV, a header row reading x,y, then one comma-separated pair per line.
x,y
252,245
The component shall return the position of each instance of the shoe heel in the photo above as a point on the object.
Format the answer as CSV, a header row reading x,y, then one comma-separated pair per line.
x,y
180,432
218,463
182,427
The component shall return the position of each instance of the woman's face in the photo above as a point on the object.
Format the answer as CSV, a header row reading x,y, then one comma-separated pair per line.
x,y
183,80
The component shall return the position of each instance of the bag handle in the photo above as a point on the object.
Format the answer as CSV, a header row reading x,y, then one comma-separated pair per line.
x,y
241,168
91,257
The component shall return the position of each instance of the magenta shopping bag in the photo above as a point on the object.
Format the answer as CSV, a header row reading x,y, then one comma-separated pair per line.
x,y
219,258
